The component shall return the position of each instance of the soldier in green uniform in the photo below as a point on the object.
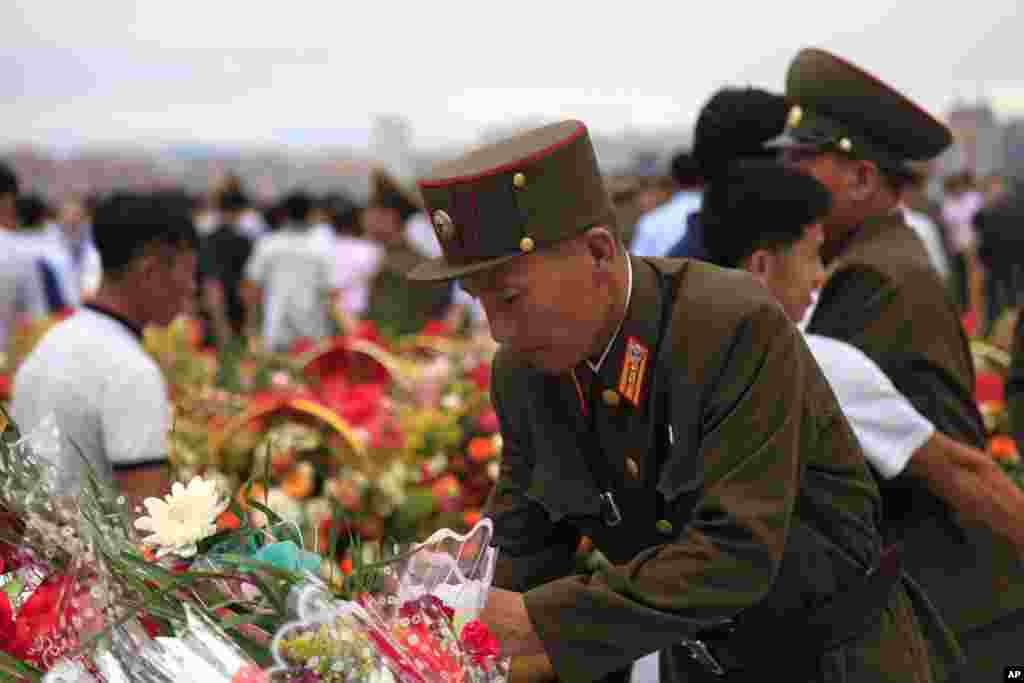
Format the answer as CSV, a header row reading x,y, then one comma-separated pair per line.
x,y
857,136
668,410
395,307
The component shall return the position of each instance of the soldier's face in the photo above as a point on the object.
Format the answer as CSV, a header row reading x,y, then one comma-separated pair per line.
x,y
836,174
547,307
793,274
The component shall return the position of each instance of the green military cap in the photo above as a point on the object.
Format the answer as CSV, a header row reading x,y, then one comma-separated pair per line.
x,y
839,106
509,198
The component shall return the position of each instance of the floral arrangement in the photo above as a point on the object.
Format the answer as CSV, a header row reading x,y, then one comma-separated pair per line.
x,y
992,363
420,625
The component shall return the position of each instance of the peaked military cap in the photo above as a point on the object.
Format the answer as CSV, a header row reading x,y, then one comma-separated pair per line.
x,y
840,107
512,197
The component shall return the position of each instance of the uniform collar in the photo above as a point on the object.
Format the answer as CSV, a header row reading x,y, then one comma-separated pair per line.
x,y
868,230
637,335
596,367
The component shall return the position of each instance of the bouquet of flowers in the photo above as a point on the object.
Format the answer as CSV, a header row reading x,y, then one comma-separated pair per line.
x,y
419,626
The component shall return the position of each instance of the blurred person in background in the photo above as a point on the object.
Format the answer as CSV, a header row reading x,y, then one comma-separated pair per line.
x,y
922,217
21,289
961,201
42,238
356,259
222,258
999,228
76,233
91,371
661,228
291,280
249,222
394,306
732,124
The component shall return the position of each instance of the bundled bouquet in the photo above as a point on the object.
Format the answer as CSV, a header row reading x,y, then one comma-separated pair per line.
x,y
419,626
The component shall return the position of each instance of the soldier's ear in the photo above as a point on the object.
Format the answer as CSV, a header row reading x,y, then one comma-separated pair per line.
x,y
601,245
865,179
759,264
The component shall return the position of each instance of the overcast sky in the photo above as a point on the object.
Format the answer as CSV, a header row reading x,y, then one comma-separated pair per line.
x,y
220,71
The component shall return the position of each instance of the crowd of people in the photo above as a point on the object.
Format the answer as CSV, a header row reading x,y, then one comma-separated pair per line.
x,y
773,441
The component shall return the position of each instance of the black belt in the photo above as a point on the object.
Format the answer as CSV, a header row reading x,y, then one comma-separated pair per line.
x,y
754,643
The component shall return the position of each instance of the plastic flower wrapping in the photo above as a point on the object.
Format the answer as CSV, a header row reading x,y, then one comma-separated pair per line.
x,y
418,626
58,586
312,470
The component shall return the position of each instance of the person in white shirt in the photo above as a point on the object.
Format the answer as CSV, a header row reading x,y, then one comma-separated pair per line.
x,y
21,287
659,230
291,275
784,254
91,372
356,259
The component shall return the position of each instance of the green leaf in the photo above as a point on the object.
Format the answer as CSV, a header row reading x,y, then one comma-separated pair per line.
x,y
272,517
18,669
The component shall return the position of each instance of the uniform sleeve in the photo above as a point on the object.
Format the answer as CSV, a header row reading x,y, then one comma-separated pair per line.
x,y
891,324
135,418
532,549
725,557
887,426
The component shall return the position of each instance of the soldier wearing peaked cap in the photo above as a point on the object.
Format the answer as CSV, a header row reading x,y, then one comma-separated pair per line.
x,y
859,138
668,410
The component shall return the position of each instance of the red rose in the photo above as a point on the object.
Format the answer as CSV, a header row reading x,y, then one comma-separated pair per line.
x,y
436,328
481,375
367,331
301,346
480,642
488,422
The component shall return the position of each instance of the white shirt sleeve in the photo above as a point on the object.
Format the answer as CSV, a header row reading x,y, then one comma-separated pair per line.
x,y
420,234
888,427
135,417
256,266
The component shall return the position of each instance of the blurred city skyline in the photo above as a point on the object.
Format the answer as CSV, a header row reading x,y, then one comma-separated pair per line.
x,y
308,92
307,74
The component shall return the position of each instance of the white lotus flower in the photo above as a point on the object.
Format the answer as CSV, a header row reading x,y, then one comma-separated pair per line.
x,y
183,518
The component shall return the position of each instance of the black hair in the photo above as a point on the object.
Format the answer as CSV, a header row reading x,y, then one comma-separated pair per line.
x,y
125,224
8,180
233,199
759,205
344,213
735,123
32,210
685,170
297,206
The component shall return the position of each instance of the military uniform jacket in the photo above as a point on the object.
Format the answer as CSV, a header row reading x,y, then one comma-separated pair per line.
x,y
397,306
885,298
746,495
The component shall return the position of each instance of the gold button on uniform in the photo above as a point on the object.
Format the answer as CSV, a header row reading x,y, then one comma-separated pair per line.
x,y
632,469
519,180
526,244
664,527
610,397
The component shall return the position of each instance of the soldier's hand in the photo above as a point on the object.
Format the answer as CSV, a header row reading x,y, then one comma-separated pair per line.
x,y
532,669
505,615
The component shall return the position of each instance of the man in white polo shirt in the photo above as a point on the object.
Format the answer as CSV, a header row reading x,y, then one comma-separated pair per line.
x,y
91,372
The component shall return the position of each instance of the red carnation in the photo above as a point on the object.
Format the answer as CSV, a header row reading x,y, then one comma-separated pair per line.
x,y
481,375
480,642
